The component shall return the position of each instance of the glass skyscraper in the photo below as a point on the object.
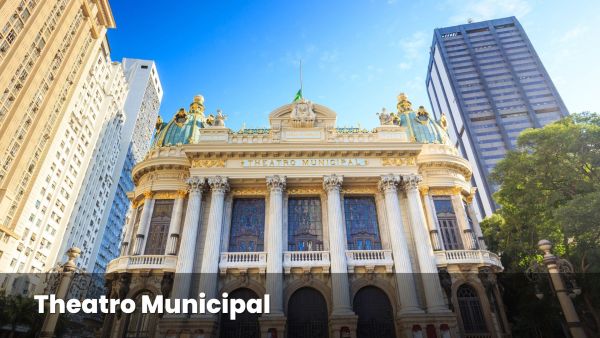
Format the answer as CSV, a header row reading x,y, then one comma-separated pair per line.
x,y
490,83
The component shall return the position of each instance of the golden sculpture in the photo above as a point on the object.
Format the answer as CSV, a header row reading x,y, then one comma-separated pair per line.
x,y
159,123
210,163
404,105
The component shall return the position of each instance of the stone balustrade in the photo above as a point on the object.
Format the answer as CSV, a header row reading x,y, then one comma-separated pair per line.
x,y
164,263
475,257
307,261
243,262
369,259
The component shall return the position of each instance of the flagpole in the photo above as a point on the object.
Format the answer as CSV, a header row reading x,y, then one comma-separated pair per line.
x,y
301,76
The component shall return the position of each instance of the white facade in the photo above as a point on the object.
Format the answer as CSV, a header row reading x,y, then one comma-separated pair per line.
x,y
99,97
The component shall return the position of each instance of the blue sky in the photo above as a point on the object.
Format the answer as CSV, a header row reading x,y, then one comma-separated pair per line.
x,y
357,55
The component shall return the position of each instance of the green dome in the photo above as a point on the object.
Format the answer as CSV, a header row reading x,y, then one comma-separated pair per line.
x,y
184,128
423,127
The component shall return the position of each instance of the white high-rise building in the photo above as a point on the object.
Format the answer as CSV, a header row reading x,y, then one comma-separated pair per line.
x,y
141,111
98,100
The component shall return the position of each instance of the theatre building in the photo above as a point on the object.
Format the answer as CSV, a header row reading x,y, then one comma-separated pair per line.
x,y
351,233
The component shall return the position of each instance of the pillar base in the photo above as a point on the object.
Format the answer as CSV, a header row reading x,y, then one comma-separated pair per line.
x,y
195,327
268,323
347,322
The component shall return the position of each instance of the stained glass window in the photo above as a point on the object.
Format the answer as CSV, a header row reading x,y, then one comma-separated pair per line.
x,y
362,229
447,222
305,226
247,225
159,227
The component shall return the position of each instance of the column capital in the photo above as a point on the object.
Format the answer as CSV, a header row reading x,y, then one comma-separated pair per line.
x,y
389,183
148,194
332,182
276,183
424,189
411,182
181,193
218,184
195,184
472,193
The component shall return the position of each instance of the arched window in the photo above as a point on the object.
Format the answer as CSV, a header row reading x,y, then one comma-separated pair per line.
x,y
159,227
305,226
140,325
361,223
247,225
471,312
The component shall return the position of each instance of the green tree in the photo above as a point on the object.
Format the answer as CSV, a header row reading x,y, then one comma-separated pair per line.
x,y
549,187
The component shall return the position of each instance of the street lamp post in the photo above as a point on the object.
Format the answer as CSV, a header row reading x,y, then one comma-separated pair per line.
x,y
552,264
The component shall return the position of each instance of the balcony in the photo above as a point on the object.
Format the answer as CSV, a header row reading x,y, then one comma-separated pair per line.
x,y
165,263
306,261
243,262
468,257
369,260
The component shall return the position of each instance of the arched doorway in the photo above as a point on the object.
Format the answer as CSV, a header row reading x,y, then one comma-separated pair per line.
x,y
307,314
140,325
471,312
375,314
245,324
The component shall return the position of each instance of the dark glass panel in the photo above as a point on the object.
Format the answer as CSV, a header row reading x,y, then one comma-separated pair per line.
x,y
362,229
247,225
305,226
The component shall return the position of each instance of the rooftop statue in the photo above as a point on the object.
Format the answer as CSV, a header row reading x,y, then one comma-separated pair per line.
x,y
388,119
404,105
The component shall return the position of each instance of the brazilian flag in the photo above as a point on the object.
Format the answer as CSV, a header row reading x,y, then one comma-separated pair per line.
x,y
298,95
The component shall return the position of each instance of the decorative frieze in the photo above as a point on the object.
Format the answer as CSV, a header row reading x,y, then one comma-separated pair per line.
x,y
208,163
398,161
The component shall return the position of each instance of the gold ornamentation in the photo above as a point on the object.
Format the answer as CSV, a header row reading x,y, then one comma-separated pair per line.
x,y
360,190
159,123
444,122
148,194
424,189
398,161
166,195
422,115
469,197
212,163
445,191
404,105
249,192
181,193
305,191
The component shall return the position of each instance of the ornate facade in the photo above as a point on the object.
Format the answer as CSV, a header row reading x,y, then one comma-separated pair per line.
x,y
352,233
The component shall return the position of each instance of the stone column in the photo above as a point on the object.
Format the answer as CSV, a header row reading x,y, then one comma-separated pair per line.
x,y
461,217
175,225
427,262
337,247
276,185
473,215
187,248
144,225
405,281
128,231
212,243
434,231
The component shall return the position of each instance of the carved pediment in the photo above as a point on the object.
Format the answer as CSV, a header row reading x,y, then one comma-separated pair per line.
x,y
302,114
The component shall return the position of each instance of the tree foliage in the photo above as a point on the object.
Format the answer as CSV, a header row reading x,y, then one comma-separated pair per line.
x,y
549,188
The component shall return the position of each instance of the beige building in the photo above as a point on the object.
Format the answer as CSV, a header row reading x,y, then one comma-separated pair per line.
x,y
47,49
352,233
70,184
